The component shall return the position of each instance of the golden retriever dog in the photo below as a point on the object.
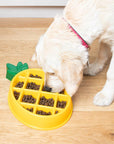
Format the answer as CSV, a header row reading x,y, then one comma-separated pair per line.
x,y
63,51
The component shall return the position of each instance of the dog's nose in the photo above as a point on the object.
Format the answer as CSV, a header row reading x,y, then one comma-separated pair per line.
x,y
46,88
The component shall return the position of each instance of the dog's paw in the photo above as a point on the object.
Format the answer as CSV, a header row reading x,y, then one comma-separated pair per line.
x,y
102,100
93,69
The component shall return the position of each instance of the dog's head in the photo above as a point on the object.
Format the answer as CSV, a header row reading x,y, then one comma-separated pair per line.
x,y
61,58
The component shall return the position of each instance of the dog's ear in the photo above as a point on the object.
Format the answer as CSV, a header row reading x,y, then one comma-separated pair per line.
x,y
72,73
38,47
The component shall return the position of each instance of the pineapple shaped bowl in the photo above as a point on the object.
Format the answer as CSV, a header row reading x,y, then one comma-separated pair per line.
x,y
35,107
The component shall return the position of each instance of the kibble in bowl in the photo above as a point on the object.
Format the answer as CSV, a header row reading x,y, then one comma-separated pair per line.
x,y
46,102
33,86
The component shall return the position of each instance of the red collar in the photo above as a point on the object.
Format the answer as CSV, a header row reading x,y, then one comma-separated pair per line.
x,y
84,43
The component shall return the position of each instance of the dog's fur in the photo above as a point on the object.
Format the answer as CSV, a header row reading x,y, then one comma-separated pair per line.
x,y
63,57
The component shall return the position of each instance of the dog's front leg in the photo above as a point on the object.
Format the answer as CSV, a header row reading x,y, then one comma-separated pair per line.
x,y
98,65
106,95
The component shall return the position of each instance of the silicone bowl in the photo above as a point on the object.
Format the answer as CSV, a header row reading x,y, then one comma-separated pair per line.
x,y
31,119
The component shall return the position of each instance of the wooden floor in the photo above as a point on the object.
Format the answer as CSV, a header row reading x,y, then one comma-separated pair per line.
x,y
89,124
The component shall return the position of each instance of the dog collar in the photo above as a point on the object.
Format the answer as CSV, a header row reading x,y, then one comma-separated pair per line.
x,y
84,43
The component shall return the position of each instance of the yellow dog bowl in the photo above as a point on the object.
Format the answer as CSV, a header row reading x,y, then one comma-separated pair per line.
x,y
32,119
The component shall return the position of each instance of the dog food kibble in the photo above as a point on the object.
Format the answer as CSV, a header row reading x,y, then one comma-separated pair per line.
x,y
56,112
30,109
62,92
35,76
61,104
46,88
46,102
32,85
16,95
19,84
28,99
40,112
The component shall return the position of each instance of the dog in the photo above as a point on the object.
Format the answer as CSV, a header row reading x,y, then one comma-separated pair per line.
x,y
63,51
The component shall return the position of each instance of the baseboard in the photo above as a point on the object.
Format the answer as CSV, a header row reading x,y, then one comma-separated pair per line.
x,y
33,2
35,12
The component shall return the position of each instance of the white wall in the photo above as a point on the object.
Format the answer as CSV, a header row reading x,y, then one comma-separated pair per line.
x,y
31,8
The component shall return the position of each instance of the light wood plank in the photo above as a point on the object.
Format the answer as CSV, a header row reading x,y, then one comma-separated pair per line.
x,y
25,23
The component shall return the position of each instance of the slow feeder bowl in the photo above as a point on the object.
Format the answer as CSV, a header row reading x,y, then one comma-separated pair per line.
x,y
32,119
